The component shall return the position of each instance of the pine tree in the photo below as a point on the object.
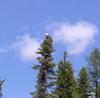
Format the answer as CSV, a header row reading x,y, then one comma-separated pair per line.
x,y
65,81
94,68
45,67
99,90
1,83
83,83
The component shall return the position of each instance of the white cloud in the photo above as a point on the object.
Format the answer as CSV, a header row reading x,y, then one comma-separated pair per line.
x,y
2,50
76,37
26,46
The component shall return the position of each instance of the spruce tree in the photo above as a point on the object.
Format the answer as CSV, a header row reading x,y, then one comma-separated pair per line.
x,y
99,90
45,67
1,83
65,80
83,83
94,68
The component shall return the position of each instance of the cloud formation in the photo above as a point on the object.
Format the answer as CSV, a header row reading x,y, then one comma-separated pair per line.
x,y
2,50
26,46
76,37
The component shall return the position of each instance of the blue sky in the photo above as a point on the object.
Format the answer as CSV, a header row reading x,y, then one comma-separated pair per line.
x,y
23,23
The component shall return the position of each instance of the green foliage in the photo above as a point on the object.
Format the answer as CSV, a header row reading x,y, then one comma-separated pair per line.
x,y
65,86
98,90
83,83
94,68
1,83
45,67
65,79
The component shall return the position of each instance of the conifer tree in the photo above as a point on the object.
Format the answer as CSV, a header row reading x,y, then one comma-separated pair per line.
x,y
99,90
94,68
83,83
45,67
1,83
65,81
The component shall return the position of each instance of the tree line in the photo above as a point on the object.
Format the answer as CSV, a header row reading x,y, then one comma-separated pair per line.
x,y
58,80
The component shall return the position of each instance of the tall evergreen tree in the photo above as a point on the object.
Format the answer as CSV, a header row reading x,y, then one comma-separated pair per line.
x,y
45,67
83,83
99,90
94,68
65,81
1,83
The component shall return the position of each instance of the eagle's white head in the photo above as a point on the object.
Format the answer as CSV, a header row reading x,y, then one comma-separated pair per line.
x,y
46,34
